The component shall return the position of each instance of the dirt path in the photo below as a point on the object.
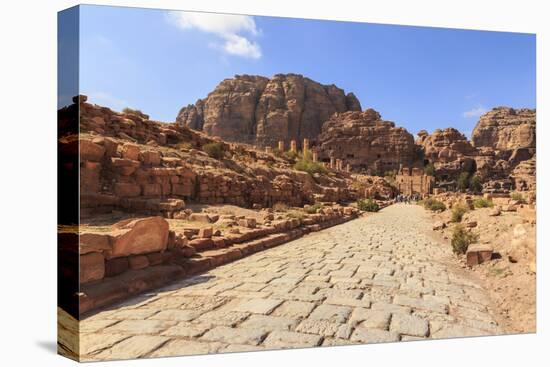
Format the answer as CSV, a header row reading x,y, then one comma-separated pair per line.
x,y
376,279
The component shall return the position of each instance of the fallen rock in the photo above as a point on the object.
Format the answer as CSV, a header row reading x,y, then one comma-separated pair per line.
x,y
247,222
478,253
206,232
439,226
139,236
200,217
92,267
495,212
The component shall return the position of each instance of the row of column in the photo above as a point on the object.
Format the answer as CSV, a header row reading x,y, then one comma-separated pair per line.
x,y
335,164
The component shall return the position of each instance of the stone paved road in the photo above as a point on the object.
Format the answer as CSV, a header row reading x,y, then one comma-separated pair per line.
x,y
374,279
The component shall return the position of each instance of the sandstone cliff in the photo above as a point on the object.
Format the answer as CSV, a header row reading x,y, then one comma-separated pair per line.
x,y
505,128
262,111
366,142
448,150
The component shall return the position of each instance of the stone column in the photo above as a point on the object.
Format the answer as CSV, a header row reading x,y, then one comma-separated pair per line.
x,y
281,145
305,146
314,156
293,146
268,150
348,168
332,162
338,164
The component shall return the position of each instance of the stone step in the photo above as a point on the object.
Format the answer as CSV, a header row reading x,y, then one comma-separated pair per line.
x,y
117,288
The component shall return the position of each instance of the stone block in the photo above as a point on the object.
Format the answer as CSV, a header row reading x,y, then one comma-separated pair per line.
x,y
138,262
150,157
90,151
139,236
200,217
151,189
130,151
247,222
92,267
124,189
478,253
206,232
116,266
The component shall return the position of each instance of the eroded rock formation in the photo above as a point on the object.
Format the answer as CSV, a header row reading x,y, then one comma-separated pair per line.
x,y
505,128
262,111
448,150
366,142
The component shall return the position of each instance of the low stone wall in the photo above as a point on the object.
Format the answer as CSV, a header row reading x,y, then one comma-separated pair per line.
x,y
140,254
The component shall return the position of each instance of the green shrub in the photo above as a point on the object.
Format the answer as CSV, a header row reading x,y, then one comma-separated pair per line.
x,y
368,205
518,197
290,155
475,184
310,167
433,205
214,150
429,170
458,212
312,209
463,181
132,111
461,239
483,203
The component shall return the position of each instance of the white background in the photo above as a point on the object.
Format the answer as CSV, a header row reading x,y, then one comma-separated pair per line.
x,y
28,180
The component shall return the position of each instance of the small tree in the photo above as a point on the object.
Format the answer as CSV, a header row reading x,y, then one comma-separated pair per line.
x,y
518,197
461,239
368,205
483,203
475,184
429,169
463,182
214,150
458,212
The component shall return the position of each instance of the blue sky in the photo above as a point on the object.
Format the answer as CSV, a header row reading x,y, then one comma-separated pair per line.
x,y
419,77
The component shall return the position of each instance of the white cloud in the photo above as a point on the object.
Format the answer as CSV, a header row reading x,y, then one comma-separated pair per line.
x,y
231,29
475,112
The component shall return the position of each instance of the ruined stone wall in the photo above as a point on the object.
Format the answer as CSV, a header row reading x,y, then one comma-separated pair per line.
x,y
130,162
414,181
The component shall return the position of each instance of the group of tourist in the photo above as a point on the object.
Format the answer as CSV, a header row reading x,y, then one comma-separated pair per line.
x,y
407,199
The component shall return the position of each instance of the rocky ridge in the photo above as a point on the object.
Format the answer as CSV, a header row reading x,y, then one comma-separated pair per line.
x,y
262,111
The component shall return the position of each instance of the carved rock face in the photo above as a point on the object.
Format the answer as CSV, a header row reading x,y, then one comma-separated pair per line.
x,y
505,128
262,111
366,142
447,149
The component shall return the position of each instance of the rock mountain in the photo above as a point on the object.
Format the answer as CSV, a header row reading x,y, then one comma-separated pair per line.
x,y
262,111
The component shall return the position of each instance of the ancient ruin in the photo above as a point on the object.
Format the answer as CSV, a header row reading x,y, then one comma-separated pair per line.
x,y
414,182
366,142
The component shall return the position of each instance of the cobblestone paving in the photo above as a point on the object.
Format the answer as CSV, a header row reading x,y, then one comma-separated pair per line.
x,y
374,279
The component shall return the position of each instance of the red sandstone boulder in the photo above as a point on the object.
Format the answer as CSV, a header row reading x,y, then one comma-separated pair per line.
x,y
478,253
139,236
94,242
92,267
90,151
150,157
130,151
